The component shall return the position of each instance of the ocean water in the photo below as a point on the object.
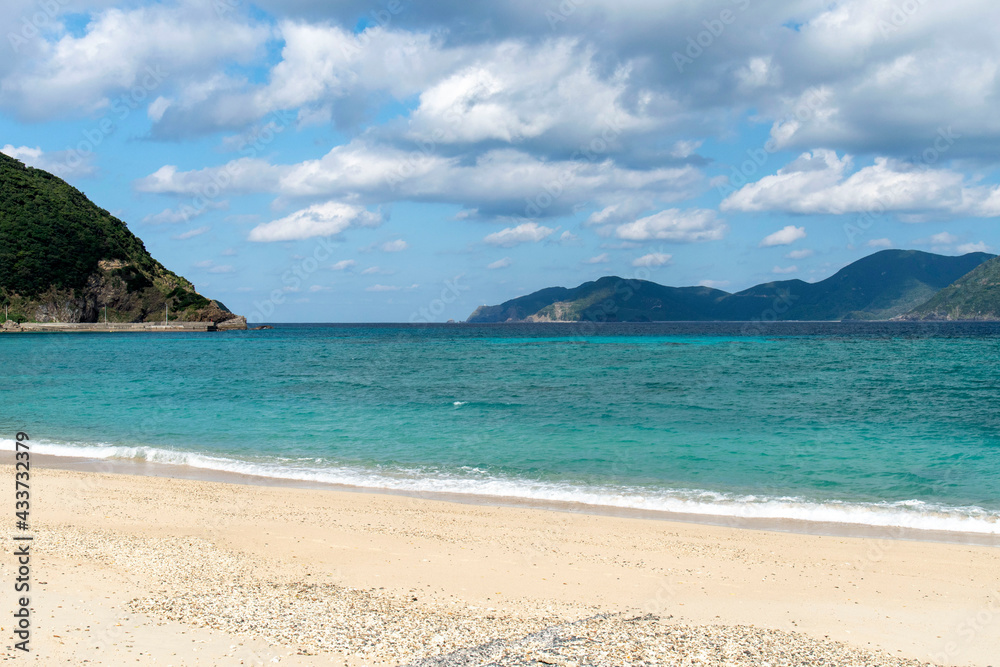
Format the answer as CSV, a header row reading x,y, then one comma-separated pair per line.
x,y
865,423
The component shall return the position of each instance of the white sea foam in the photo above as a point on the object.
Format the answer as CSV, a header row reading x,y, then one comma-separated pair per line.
x,y
914,514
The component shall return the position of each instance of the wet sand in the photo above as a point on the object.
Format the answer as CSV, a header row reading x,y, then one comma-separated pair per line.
x,y
130,568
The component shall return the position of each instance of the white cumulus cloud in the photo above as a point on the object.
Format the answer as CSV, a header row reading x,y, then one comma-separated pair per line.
x,y
377,271
397,245
652,259
820,182
529,232
124,56
784,236
675,225
980,246
343,265
496,182
941,238
64,164
318,220
800,254
190,234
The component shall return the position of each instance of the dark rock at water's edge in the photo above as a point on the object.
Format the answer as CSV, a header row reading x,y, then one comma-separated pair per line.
x,y
64,259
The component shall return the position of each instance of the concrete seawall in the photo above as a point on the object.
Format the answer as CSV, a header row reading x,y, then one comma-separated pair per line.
x,y
101,327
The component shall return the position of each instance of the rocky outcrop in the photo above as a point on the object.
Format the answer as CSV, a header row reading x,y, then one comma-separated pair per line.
x,y
121,294
63,259
238,323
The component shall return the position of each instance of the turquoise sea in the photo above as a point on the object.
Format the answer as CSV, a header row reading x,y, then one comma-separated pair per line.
x,y
885,424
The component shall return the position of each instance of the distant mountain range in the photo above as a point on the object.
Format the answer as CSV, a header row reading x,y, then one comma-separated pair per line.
x,y
889,284
65,259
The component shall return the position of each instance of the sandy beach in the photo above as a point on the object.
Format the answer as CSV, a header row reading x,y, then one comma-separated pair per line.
x,y
134,569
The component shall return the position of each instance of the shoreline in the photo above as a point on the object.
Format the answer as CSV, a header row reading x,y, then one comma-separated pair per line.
x,y
783,525
110,327
204,572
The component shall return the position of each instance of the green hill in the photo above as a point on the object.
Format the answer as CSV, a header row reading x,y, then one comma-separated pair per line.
x,y
884,285
878,287
975,296
64,259
607,299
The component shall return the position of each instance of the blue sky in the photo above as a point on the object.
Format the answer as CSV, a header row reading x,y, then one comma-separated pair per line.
x,y
409,161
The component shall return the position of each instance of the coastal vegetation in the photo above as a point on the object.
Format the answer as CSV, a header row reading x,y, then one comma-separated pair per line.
x,y
975,296
65,259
